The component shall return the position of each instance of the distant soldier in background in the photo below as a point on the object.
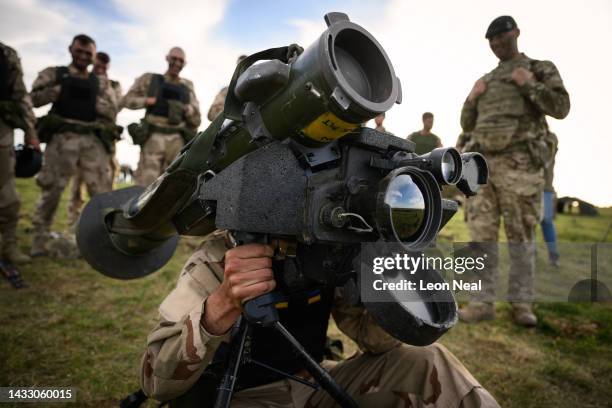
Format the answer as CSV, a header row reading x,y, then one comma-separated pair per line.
x,y
548,224
378,121
76,132
172,116
100,68
15,112
505,113
425,140
219,101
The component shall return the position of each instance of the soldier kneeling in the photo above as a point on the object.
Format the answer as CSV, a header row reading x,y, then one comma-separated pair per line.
x,y
198,314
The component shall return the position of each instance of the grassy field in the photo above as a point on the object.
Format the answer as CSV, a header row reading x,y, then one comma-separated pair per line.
x,y
75,327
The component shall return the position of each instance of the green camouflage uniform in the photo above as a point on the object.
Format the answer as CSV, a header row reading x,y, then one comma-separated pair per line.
x,y
218,104
9,200
508,125
161,147
70,152
386,373
76,191
424,143
549,170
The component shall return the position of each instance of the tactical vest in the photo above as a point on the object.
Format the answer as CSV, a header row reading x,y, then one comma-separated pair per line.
x,y
165,91
505,116
77,98
5,92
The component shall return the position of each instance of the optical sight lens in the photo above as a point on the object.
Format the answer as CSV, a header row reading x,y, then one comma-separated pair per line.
x,y
449,167
407,204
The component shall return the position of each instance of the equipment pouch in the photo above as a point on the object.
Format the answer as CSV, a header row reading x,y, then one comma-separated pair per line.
x,y
139,132
175,112
11,115
47,126
108,134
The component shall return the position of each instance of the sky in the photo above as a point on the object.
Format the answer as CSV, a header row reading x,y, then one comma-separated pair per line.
x,y
437,48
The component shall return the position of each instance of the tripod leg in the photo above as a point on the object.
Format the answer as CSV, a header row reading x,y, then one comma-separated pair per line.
x,y
318,373
226,386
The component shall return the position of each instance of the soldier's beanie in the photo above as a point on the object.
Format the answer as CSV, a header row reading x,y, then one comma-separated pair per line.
x,y
500,25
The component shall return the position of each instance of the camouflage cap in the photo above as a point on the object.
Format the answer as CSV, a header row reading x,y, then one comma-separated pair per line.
x,y
500,25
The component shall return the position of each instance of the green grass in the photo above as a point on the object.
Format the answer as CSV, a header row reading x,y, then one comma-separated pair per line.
x,y
75,327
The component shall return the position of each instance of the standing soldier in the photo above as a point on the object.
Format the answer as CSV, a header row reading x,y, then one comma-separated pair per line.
x,y
74,130
548,222
100,68
172,116
219,101
505,113
424,139
15,112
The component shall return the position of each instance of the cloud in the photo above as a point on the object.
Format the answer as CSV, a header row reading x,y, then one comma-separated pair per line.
x,y
437,49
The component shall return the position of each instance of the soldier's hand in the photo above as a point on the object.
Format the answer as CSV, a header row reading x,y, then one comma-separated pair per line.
x,y
32,140
478,89
150,101
247,274
521,75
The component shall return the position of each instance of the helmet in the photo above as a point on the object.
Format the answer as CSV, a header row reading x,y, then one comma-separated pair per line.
x,y
28,161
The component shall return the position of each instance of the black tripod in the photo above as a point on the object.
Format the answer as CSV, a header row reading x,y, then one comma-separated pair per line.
x,y
262,311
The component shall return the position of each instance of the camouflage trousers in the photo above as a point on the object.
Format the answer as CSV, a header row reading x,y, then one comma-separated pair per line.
x,y
513,194
157,154
75,204
66,155
405,376
9,200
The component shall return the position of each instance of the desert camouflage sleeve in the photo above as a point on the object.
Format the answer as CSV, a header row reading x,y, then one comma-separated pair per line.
x,y
217,105
106,103
546,90
118,94
179,349
19,91
45,88
135,98
193,116
359,325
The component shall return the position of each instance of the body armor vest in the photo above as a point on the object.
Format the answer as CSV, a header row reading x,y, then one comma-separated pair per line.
x,y
165,91
505,116
77,98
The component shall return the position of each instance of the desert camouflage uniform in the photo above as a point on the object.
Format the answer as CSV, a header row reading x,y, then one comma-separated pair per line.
x,y
160,148
386,373
218,104
69,152
76,190
424,143
9,200
508,125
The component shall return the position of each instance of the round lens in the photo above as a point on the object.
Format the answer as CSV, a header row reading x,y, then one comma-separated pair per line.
x,y
449,168
407,204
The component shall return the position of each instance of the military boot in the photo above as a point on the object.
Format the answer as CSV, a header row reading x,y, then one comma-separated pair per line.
x,y
39,246
476,312
12,254
523,315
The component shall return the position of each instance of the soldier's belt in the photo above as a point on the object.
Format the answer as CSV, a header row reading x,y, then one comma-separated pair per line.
x,y
163,129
